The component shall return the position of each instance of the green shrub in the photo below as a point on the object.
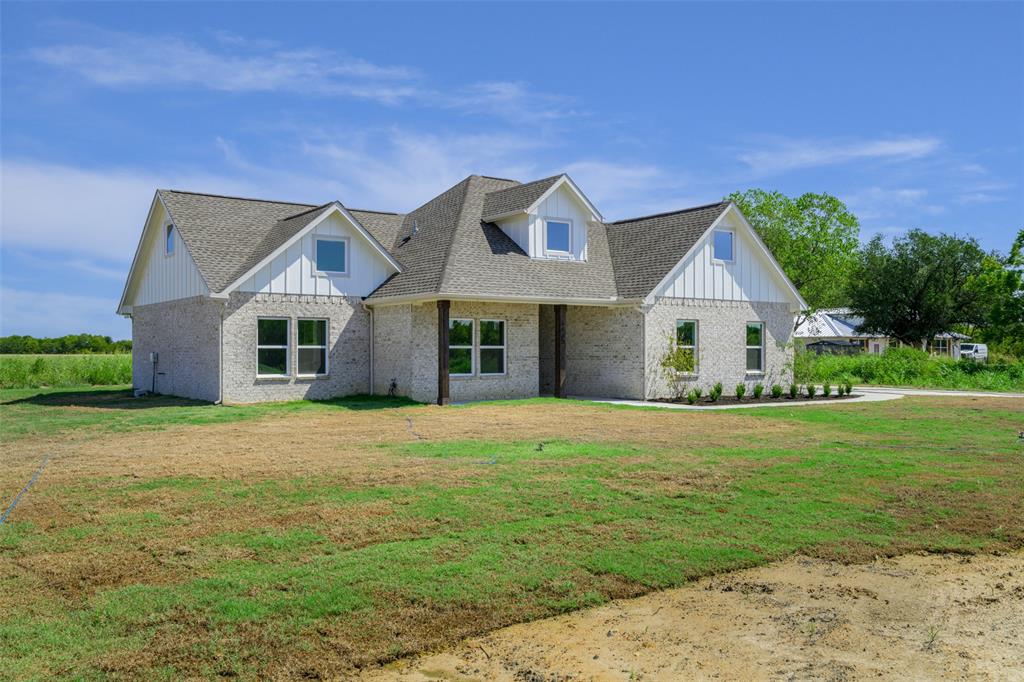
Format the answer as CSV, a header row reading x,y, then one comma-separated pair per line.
x,y
758,390
794,390
776,391
826,390
909,367
694,395
58,371
811,390
849,386
716,392
741,390
840,390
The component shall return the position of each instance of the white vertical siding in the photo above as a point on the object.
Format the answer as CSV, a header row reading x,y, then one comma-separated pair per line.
x,y
749,277
164,278
528,230
294,270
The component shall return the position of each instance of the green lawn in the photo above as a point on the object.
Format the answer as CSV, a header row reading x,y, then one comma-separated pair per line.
x,y
386,528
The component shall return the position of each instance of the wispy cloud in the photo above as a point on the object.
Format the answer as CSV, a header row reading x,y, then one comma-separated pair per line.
x,y
780,154
875,203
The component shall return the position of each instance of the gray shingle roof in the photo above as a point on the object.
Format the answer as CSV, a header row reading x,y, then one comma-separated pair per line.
x,y
515,198
645,249
454,252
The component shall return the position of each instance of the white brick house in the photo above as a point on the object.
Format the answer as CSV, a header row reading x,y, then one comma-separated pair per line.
x,y
493,289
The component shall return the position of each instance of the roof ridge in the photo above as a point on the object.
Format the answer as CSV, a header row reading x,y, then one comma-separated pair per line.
x,y
523,184
454,231
308,210
667,213
229,196
370,210
494,177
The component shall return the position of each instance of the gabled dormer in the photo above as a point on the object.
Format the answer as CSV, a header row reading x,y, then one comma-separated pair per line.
x,y
547,218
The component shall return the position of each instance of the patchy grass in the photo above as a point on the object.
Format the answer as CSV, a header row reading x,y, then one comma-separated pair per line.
x,y
356,531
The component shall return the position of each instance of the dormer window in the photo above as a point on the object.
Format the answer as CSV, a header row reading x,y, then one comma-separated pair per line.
x,y
331,256
723,245
558,237
169,240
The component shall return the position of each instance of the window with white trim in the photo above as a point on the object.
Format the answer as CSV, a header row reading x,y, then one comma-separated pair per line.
x,y
755,346
169,240
272,347
331,255
724,248
312,347
460,347
492,347
686,340
558,236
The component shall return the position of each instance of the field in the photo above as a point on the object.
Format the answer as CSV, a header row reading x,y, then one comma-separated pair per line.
x,y
167,538
36,371
911,367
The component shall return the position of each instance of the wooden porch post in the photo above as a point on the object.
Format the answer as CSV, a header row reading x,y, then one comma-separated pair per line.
x,y
443,308
560,351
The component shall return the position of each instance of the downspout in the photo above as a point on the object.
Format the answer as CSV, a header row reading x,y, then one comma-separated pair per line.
x,y
220,358
370,311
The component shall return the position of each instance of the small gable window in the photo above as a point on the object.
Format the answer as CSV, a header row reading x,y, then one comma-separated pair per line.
x,y
723,245
332,256
557,236
169,240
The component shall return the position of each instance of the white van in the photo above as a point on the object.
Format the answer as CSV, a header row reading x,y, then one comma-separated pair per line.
x,y
974,351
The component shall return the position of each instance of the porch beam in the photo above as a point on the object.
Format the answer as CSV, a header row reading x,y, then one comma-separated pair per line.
x,y
560,351
443,310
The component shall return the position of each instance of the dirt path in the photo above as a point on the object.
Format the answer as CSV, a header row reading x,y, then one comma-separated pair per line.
x,y
913,617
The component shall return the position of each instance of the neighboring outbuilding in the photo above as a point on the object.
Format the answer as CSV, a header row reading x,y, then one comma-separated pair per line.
x,y
838,330
493,289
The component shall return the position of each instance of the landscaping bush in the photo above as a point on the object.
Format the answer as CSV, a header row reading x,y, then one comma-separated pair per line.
x,y
909,367
36,371
716,392
849,386
741,390
794,390
840,389
758,391
776,391
694,395
811,390
826,390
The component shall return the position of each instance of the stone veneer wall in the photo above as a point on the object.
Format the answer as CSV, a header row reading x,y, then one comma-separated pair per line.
x,y
520,378
348,348
603,351
186,334
721,342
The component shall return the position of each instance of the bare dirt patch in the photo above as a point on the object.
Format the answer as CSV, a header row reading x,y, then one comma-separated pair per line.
x,y
912,617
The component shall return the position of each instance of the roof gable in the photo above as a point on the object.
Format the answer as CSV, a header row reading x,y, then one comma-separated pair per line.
x,y
525,198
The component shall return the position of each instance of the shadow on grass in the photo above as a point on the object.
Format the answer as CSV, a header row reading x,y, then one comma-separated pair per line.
x,y
122,399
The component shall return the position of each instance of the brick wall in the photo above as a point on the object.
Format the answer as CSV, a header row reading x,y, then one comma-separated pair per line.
x,y
721,342
392,349
348,347
186,335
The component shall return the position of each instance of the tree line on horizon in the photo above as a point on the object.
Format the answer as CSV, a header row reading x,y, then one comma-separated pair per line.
x,y
912,289
71,344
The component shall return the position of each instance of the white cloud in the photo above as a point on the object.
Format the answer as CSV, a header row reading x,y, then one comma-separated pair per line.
x,y
785,154
874,203
56,314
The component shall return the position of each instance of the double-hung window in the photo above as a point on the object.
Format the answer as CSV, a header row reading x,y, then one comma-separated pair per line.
x,y
755,346
272,347
460,347
492,346
686,342
558,237
312,347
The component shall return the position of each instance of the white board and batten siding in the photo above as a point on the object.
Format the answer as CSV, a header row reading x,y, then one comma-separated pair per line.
x,y
294,272
749,277
527,230
165,277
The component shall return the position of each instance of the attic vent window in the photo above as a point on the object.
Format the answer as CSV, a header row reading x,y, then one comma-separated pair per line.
x,y
169,240
332,256
723,245
557,238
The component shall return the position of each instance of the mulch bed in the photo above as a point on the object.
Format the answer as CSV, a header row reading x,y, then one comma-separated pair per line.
x,y
764,399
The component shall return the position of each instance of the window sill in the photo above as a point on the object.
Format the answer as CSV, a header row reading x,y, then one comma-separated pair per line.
x,y
755,372
273,377
324,273
312,377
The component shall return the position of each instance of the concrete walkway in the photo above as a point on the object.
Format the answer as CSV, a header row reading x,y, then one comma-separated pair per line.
x,y
935,391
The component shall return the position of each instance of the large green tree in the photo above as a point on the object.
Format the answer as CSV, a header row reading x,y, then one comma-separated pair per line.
x,y
1000,288
814,237
919,287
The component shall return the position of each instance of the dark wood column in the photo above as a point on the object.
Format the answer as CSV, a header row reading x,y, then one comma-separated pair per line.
x,y
560,351
443,308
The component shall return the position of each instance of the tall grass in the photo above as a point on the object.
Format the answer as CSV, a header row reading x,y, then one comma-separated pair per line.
x,y
909,367
36,371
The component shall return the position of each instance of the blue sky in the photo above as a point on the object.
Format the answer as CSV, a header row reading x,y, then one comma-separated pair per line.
x,y
911,113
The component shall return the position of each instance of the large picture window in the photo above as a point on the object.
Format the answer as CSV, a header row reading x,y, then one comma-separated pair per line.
x,y
686,342
755,346
492,346
272,347
312,347
460,347
332,256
